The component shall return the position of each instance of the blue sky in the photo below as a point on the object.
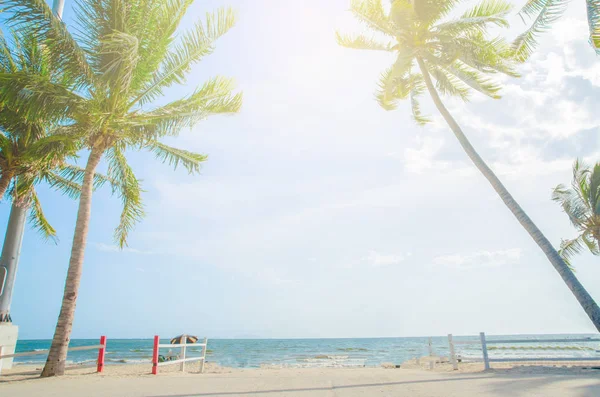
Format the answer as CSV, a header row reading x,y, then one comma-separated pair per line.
x,y
319,214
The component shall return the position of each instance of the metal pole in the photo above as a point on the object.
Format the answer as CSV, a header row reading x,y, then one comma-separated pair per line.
x,y
9,260
452,353
184,341
58,7
486,359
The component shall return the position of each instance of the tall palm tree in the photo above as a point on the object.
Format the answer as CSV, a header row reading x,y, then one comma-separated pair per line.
x,y
29,154
459,54
544,13
124,55
26,148
581,203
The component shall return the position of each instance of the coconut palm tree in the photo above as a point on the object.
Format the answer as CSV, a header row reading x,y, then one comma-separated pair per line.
x,y
459,55
123,57
581,203
29,154
26,148
544,13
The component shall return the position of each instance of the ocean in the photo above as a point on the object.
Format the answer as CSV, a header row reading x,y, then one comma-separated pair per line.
x,y
254,353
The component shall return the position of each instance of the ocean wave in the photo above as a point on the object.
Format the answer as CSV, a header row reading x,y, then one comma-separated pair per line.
x,y
352,349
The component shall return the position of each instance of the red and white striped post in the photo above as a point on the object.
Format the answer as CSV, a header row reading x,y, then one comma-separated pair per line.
x,y
155,355
101,353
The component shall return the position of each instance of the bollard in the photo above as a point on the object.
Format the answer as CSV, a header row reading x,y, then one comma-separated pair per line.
x,y
101,353
155,355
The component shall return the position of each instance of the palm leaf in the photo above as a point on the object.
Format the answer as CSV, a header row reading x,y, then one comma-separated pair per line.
x,y
546,12
214,97
67,57
593,16
371,12
361,42
38,220
194,45
478,19
570,248
174,157
127,186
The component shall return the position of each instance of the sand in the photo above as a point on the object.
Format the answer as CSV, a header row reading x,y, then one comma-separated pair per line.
x,y
411,381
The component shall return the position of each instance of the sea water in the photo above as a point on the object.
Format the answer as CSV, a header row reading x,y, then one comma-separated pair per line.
x,y
254,353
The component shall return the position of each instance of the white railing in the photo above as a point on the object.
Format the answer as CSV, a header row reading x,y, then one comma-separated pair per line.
x,y
484,342
101,352
182,360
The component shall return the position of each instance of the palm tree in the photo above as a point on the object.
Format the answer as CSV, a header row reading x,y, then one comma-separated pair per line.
x,y
26,148
544,13
123,57
581,203
459,55
29,154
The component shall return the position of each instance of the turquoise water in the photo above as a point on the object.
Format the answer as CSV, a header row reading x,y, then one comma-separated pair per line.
x,y
253,353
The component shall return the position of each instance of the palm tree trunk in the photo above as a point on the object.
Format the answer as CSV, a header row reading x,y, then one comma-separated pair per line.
x,y
5,179
582,296
55,364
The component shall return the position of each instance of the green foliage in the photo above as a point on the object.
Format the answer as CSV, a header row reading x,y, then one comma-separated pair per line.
x,y
581,203
30,148
123,56
456,52
543,14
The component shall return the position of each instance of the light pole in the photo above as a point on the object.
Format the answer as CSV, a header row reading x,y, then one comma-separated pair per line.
x,y
9,259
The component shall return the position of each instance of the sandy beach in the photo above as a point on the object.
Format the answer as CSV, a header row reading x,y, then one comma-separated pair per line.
x,y
411,380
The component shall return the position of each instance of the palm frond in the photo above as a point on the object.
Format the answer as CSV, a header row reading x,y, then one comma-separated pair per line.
x,y
572,204
593,16
431,11
38,220
362,42
475,80
418,116
67,57
214,97
485,55
51,151
66,186
7,63
478,19
119,56
570,248
174,156
37,97
591,243
129,190
194,45
372,13
155,27
76,174
448,84
546,12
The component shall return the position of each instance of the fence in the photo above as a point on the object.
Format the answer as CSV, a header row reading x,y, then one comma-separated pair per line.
x,y
182,360
487,359
101,353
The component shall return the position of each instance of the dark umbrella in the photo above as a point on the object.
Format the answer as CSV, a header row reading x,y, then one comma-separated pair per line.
x,y
188,339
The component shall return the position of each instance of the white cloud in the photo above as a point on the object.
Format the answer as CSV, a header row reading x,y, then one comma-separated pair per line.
x,y
479,259
376,259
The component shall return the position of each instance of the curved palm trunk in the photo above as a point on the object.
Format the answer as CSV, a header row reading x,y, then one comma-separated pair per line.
x,y
584,298
55,364
5,181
